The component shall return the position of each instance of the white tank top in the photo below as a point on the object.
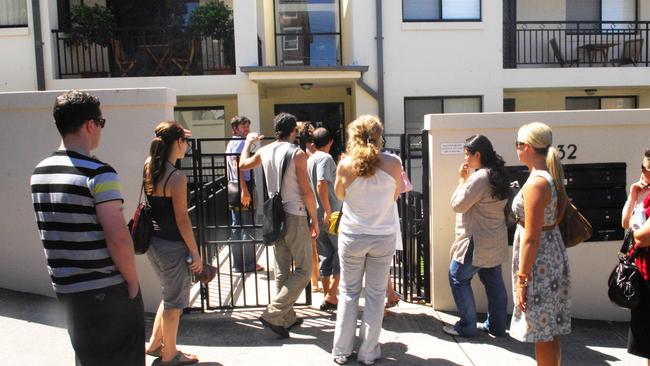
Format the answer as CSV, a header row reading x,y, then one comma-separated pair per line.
x,y
369,207
272,157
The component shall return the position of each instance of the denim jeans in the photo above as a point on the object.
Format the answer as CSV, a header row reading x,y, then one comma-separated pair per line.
x,y
244,257
460,280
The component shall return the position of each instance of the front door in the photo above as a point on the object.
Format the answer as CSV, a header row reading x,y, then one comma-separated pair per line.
x,y
327,115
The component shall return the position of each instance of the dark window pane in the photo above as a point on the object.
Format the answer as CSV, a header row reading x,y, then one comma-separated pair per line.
x,y
421,9
574,104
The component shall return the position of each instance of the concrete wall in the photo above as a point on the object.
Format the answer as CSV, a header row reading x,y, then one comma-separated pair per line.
x,y
29,135
592,132
554,100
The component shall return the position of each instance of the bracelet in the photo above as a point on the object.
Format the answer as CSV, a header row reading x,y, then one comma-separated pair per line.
x,y
522,279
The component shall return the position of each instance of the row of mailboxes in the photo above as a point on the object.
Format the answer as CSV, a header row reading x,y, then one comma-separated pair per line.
x,y
597,190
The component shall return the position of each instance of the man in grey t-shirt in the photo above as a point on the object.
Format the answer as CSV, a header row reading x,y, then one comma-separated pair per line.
x,y
322,174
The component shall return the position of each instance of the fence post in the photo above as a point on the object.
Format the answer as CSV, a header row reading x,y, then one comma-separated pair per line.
x,y
425,215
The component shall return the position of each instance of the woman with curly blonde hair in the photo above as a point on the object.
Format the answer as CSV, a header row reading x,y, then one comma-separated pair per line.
x,y
368,182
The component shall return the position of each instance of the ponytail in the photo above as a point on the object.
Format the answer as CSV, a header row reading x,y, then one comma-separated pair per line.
x,y
554,167
166,133
364,145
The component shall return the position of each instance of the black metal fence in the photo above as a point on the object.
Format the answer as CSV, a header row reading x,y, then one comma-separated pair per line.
x,y
143,52
411,266
575,44
219,239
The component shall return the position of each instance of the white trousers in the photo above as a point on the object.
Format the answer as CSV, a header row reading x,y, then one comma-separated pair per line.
x,y
360,255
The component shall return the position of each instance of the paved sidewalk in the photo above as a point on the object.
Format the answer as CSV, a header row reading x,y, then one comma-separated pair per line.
x,y
33,333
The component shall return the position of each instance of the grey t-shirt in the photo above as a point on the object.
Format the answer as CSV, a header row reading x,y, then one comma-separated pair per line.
x,y
321,166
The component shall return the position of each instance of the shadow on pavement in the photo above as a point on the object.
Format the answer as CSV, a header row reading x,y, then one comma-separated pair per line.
x,y
31,308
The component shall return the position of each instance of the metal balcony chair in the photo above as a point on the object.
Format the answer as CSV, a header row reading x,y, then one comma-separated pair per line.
x,y
559,57
125,65
631,53
184,64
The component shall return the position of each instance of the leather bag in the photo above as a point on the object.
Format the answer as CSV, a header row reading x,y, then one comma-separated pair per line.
x,y
141,225
274,225
574,227
625,281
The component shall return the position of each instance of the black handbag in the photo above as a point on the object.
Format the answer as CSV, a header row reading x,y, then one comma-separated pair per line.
x,y
625,281
141,225
274,225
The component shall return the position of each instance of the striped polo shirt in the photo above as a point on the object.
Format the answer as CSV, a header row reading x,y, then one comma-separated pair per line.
x,y
66,187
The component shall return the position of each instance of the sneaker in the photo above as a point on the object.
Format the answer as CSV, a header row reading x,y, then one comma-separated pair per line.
x,y
449,329
297,323
279,330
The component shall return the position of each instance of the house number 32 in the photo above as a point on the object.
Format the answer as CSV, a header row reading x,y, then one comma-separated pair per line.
x,y
567,151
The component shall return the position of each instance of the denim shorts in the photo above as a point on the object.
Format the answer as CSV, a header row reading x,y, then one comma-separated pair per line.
x,y
168,261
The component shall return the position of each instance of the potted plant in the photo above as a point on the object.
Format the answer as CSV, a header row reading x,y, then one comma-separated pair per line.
x,y
213,22
91,25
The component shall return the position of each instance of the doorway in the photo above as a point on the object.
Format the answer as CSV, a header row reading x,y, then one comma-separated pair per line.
x,y
328,115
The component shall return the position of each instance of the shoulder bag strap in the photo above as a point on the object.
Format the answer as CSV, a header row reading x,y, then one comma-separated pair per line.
x,y
285,163
166,181
144,169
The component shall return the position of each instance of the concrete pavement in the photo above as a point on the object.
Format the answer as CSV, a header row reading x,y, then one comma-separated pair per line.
x,y
33,333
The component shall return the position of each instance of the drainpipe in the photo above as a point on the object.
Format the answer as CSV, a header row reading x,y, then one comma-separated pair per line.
x,y
38,45
380,59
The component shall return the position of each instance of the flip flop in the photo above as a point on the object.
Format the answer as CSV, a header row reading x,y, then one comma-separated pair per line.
x,y
327,306
154,353
176,361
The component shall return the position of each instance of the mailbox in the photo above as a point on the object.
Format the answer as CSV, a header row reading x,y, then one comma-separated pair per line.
x,y
597,190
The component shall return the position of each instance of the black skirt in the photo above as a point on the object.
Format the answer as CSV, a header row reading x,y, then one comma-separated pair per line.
x,y
638,340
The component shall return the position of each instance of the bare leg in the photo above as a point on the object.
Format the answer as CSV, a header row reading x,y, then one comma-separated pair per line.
x,y
314,262
325,281
391,295
548,353
332,289
156,339
170,320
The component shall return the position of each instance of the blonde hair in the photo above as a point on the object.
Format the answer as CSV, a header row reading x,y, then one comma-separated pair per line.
x,y
364,144
539,136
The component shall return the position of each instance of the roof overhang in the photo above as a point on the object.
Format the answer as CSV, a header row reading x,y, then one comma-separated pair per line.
x,y
293,76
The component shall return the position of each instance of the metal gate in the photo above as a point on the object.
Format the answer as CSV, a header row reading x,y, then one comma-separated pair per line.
x,y
205,167
411,270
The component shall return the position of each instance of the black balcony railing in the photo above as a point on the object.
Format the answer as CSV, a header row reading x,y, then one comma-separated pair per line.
x,y
143,52
575,44
308,49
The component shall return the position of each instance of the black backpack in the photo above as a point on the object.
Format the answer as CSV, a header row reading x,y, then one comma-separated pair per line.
x,y
274,226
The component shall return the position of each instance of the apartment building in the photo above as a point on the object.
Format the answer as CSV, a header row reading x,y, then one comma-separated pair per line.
x,y
319,58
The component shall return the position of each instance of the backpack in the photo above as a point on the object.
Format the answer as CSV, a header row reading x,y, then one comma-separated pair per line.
x,y
274,226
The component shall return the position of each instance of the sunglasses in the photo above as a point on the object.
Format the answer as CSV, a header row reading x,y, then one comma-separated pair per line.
x,y
519,144
101,122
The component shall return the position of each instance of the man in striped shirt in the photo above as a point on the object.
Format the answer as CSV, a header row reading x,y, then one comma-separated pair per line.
x,y
89,252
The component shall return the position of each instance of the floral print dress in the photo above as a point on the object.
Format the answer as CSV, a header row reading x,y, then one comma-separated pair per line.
x,y
549,290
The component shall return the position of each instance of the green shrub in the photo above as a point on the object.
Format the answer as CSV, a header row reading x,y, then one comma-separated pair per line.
x,y
214,19
91,24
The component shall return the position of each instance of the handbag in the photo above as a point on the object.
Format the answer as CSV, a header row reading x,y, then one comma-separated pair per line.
x,y
335,221
574,227
234,196
141,225
274,225
625,281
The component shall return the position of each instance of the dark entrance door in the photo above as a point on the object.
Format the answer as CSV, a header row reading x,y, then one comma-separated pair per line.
x,y
327,115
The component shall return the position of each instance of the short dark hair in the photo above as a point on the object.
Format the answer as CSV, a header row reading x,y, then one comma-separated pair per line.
x,y
238,120
72,109
322,137
283,124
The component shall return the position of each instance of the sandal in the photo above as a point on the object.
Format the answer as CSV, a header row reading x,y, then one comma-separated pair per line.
x,y
316,289
154,353
177,360
328,306
393,301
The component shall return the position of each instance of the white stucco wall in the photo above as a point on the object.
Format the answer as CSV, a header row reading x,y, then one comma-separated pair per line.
x,y
29,135
18,65
593,133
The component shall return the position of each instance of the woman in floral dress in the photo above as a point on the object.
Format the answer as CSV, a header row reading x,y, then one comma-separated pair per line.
x,y
541,277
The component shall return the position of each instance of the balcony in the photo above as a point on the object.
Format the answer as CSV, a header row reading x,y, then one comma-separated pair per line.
x,y
143,52
544,44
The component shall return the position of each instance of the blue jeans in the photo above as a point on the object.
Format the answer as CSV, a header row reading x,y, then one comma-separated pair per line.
x,y
460,280
244,258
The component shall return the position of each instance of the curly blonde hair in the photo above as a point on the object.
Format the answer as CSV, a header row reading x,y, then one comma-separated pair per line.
x,y
364,144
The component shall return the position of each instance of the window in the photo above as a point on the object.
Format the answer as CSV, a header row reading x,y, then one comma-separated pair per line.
x,y
509,104
595,103
416,108
441,10
601,10
13,13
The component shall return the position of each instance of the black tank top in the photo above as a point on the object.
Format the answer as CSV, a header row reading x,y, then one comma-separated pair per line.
x,y
162,212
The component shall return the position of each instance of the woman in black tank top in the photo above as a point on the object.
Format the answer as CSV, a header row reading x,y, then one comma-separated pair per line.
x,y
173,240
